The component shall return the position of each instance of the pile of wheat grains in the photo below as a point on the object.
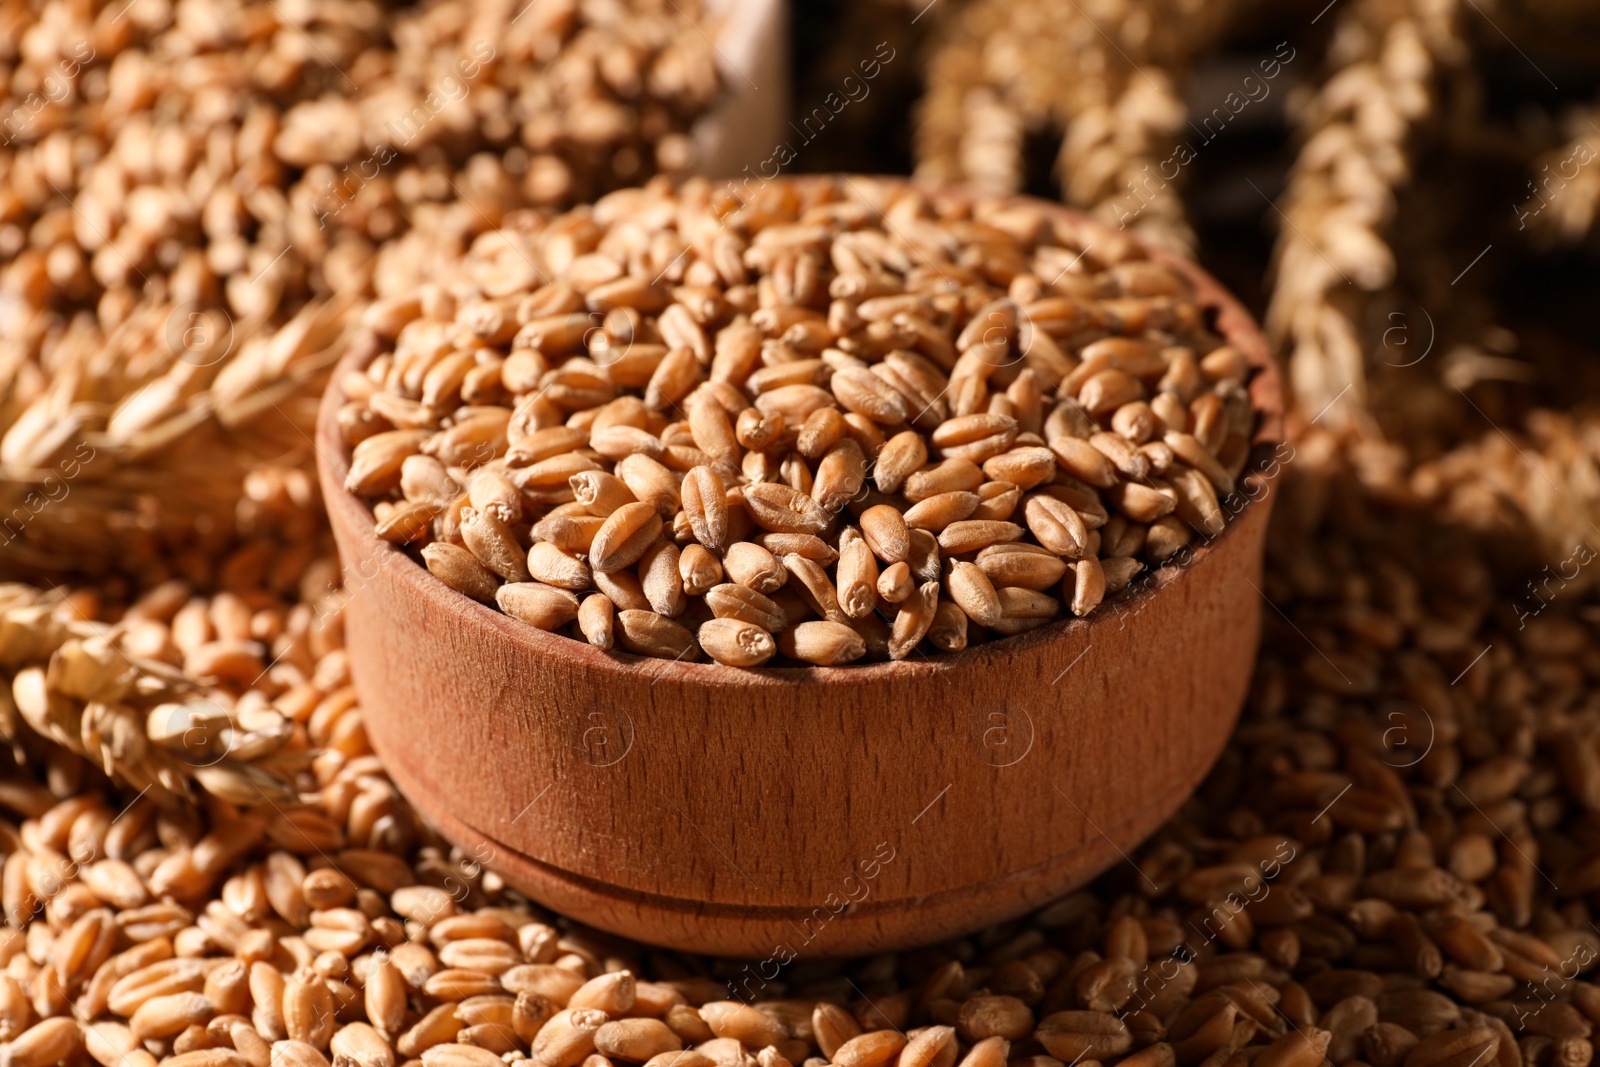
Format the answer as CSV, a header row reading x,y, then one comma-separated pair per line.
x,y
834,418
195,198
1392,865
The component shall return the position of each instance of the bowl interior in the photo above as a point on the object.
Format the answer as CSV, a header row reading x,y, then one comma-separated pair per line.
x,y
1229,319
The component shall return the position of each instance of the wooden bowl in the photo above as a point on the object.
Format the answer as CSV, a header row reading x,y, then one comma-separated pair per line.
x,y
795,812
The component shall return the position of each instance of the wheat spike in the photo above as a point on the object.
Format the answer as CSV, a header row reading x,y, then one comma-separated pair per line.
x,y
1564,184
1332,251
1106,73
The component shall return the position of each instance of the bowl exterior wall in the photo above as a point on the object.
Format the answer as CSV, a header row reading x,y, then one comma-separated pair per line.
x,y
819,817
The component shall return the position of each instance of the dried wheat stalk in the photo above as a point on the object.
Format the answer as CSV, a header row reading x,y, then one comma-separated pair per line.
x,y
1105,72
178,695
1564,184
1538,488
134,454
1386,59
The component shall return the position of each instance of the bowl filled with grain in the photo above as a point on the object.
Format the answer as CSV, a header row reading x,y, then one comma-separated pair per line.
x,y
803,567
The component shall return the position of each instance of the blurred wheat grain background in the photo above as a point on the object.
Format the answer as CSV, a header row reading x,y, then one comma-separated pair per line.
x,y
1405,191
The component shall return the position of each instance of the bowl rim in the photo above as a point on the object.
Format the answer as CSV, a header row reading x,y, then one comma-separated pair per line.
x,y
1231,320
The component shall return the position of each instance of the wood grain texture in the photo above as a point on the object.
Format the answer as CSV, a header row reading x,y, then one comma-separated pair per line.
x,y
807,811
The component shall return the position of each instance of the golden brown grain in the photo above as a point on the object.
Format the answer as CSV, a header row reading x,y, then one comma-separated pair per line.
x,y
710,429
